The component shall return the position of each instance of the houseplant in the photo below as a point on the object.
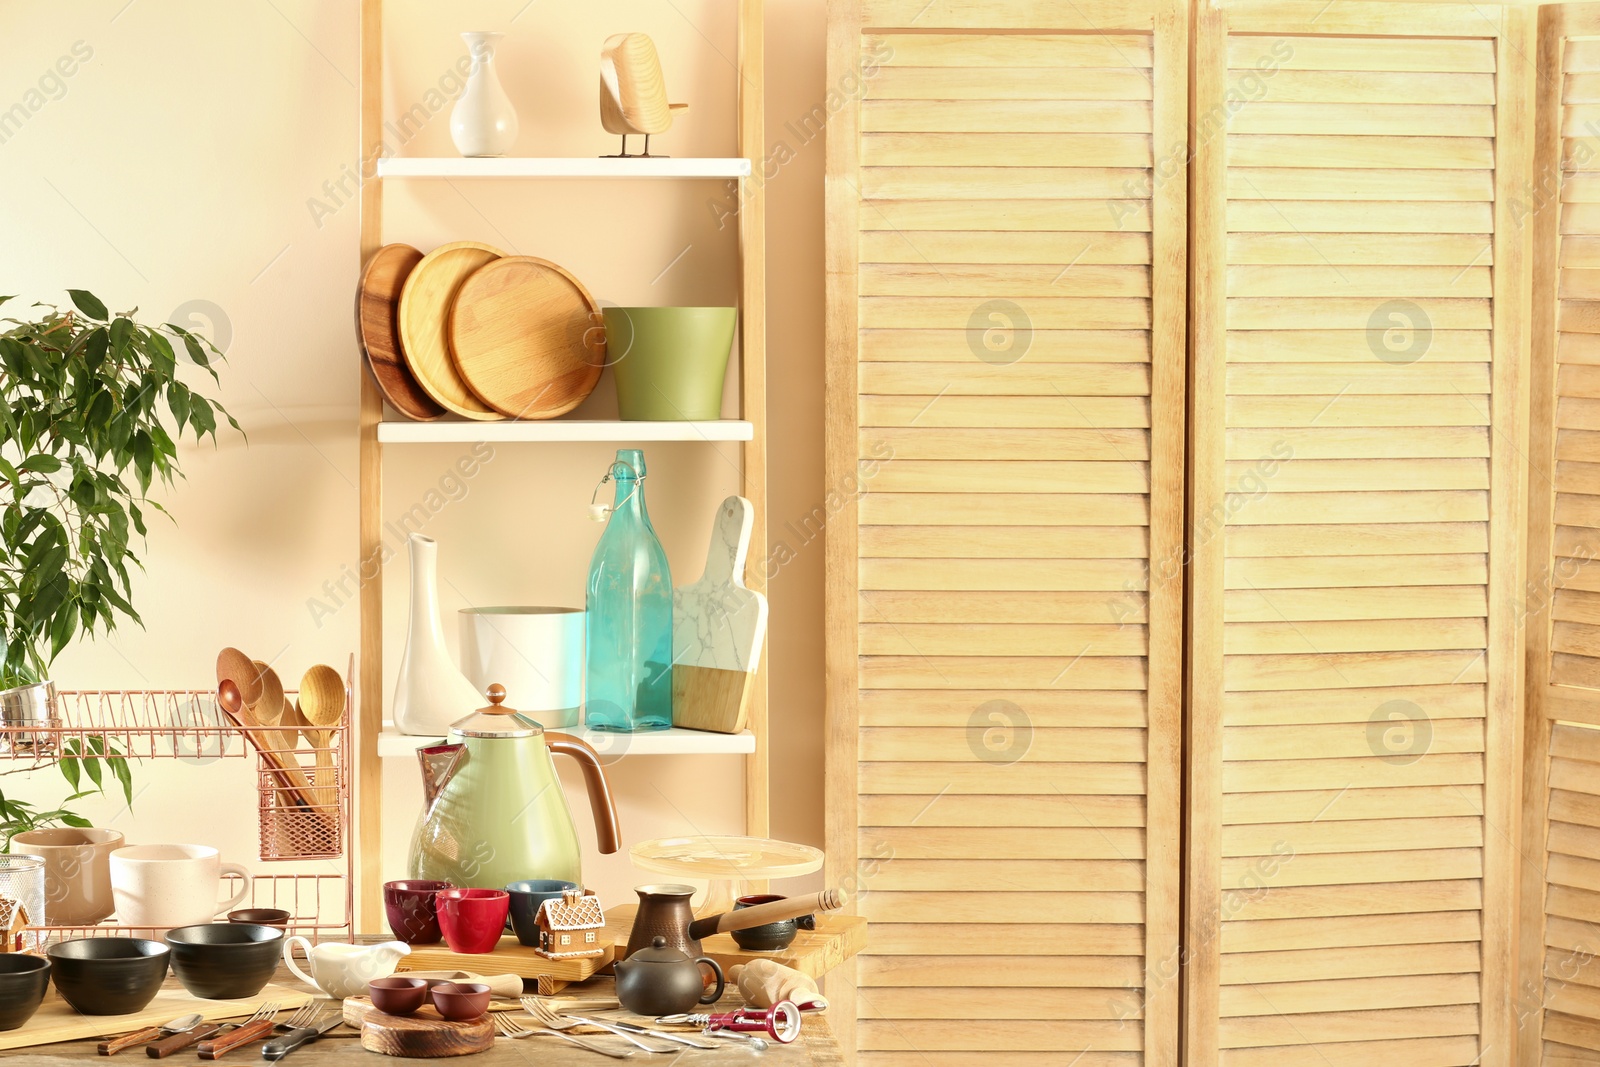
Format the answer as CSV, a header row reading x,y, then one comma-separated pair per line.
x,y
91,409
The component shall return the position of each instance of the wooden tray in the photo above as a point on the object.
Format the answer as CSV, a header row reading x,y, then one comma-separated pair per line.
x,y
377,324
813,953
510,957
57,1021
425,302
525,336
424,1035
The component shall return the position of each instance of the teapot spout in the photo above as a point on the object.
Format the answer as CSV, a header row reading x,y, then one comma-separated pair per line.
x,y
439,763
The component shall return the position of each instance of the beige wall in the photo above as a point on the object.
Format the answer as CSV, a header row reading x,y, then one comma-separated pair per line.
x,y
183,164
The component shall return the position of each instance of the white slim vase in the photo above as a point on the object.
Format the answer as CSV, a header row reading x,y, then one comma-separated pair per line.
x,y
432,692
483,122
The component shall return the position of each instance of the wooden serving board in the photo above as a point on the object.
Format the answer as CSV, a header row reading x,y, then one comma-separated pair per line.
x,y
425,1035
813,953
525,336
377,324
509,957
56,1020
425,302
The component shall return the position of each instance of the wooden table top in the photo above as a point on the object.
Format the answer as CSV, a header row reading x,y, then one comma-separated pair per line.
x,y
341,1047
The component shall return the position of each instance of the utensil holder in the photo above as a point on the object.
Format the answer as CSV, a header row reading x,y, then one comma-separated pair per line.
x,y
302,810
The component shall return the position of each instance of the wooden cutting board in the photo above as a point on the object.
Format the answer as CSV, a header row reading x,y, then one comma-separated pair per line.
x,y
425,301
526,337
56,1020
509,957
377,325
425,1035
717,629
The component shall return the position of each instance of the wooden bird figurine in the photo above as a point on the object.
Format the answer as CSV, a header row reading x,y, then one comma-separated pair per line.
x,y
633,96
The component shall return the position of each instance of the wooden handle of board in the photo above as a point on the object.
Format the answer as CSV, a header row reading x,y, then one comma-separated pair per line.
x,y
137,1037
216,1047
771,912
158,1050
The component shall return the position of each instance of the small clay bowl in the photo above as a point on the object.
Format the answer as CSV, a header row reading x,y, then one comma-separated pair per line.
x,y
274,917
397,995
769,937
460,1002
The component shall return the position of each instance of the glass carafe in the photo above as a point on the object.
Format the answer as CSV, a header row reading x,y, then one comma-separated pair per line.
x,y
629,623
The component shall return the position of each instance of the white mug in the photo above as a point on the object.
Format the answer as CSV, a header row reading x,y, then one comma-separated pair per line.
x,y
167,886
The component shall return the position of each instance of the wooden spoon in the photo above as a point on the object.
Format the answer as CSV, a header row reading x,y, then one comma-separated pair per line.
x,y
272,709
240,669
322,704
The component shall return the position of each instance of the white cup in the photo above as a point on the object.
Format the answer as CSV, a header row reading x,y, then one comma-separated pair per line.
x,y
167,886
535,652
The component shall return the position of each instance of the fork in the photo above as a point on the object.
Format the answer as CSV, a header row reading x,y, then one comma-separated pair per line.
x,y
543,1014
258,1025
511,1029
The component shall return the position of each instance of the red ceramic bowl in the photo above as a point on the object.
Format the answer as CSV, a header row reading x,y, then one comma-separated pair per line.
x,y
472,920
461,1001
410,908
397,995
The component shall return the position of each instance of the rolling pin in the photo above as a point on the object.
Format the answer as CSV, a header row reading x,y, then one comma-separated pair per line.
x,y
771,912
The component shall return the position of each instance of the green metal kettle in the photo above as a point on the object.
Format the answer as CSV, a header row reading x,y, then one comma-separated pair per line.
x,y
495,810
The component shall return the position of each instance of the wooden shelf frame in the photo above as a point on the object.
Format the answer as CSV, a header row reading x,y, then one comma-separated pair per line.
x,y
753,411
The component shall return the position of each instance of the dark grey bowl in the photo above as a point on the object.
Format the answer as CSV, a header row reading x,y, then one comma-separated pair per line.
x,y
108,975
225,961
23,981
769,937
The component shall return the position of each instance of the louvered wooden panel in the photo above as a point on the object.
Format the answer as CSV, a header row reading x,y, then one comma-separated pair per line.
x,y
1006,385
1559,987
1358,291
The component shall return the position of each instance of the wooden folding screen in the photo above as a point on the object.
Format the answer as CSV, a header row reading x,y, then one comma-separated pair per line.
x,y
1559,1002
1006,318
1359,302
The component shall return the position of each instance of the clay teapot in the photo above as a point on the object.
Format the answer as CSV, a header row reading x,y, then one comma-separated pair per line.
x,y
665,981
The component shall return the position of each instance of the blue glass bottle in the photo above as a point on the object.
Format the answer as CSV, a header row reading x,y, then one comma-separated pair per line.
x,y
629,623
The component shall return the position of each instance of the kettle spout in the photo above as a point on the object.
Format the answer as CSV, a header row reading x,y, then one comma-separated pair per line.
x,y
439,763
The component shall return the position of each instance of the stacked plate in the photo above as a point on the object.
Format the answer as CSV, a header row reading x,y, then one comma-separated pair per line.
x,y
470,330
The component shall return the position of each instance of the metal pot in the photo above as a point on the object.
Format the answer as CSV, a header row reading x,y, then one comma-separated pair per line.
x,y
24,707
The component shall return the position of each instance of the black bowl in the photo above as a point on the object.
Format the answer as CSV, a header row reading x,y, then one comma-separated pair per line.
x,y
108,975
23,981
769,937
225,961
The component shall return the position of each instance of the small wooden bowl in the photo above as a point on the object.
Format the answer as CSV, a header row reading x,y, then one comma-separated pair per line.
x,y
460,1001
398,995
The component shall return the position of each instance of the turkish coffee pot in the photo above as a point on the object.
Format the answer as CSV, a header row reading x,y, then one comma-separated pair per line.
x,y
495,810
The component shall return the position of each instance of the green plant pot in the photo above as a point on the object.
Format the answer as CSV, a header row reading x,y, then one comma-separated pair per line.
x,y
669,362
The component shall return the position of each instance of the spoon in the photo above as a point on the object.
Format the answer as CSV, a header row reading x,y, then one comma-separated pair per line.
x,y
235,666
322,704
272,709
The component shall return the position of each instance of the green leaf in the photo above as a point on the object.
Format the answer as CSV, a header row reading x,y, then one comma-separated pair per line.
x,y
69,766
89,304
119,767
41,464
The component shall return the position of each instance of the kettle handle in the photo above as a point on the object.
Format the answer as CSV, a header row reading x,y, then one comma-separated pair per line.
x,y
606,830
714,995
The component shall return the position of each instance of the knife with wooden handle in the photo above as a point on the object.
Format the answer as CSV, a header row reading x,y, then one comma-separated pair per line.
x,y
157,1050
219,1046
137,1037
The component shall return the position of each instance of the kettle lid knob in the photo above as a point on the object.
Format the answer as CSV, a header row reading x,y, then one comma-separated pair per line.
x,y
658,942
497,695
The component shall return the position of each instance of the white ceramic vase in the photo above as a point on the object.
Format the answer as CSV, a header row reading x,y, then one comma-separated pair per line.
x,y
483,122
432,692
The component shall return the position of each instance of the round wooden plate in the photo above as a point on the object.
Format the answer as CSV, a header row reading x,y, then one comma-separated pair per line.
x,y
424,314
377,324
421,1036
526,337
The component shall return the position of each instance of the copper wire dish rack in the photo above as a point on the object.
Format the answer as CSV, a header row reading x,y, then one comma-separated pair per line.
x,y
303,790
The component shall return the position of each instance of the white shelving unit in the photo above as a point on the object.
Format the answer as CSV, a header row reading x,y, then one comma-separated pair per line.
x,y
554,430
672,742
561,167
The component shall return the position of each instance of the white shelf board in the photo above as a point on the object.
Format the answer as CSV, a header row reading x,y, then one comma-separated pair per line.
x,y
561,430
672,742
562,167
